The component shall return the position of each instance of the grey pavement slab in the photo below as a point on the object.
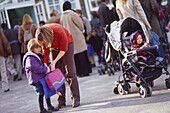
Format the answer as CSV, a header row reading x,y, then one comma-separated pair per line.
x,y
96,94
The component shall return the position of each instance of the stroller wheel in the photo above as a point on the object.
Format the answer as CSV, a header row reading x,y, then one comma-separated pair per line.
x,y
103,71
112,71
115,90
149,91
99,71
167,82
109,72
142,91
121,89
128,90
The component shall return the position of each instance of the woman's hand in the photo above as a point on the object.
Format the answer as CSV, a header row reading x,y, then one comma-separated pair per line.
x,y
52,66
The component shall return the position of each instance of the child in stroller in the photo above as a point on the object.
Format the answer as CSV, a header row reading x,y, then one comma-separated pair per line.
x,y
132,70
138,41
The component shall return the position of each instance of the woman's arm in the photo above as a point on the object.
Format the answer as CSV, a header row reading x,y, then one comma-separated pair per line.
x,y
60,55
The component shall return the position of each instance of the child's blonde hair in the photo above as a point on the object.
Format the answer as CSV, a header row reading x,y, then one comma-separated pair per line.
x,y
32,44
44,34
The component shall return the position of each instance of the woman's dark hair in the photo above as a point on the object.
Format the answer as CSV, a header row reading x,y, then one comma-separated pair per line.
x,y
94,14
42,22
66,6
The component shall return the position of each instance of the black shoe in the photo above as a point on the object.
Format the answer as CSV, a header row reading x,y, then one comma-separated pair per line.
x,y
15,77
52,108
75,104
19,79
45,111
60,105
7,90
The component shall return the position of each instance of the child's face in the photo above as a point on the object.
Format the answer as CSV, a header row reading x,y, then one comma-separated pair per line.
x,y
37,50
94,33
139,39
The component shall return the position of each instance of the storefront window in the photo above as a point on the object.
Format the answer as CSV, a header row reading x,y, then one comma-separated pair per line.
x,y
50,2
56,1
56,4
95,4
23,0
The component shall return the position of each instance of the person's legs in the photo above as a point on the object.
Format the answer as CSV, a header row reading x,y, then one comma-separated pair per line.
x,y
59,64
40,102
68,61
50,107
17,59
39,89
99,57
92,61
4,78
11,69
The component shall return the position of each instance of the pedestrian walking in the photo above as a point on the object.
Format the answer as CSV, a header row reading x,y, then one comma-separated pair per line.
x,y
26,32
12,37
74,24
58,42
87,33
5,51
125,9
153,10
96,42
35,70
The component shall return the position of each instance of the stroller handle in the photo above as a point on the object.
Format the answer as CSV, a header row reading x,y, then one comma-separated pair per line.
x,y
147,49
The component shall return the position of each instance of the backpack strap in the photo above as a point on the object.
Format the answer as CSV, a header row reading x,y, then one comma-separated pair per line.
x,y
23,28
31,27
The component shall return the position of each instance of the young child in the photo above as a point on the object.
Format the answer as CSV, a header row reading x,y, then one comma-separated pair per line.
x,y
35,70
137,40
96,42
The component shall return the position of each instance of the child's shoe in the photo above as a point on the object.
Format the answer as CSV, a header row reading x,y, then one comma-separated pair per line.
x,y
52,108
45,111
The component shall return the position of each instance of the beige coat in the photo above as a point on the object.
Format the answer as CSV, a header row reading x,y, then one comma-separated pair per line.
x,y
126,10
153,9
5,48
74,24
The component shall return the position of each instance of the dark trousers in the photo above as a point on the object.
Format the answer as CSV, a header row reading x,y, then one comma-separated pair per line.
x,y
68,62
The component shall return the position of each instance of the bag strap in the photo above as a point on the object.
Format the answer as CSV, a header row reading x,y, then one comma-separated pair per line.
x,y
31,27
23,28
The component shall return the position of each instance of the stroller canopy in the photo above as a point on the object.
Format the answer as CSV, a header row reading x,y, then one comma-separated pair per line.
x,y
130,25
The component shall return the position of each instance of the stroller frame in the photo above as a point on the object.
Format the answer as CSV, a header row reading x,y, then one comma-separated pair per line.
x,y
123,86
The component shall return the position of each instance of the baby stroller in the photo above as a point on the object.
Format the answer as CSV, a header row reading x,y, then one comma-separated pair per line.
x,y
132,72
107,67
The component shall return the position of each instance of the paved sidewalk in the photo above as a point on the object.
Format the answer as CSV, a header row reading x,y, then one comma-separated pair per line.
x,y
96,97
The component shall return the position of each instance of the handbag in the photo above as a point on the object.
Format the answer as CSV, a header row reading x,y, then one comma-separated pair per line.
x,y
55,79
48,93
90,50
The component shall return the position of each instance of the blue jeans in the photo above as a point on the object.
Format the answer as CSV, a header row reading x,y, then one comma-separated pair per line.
x,y
39,88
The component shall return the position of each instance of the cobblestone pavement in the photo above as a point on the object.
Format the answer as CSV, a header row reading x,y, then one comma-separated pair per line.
x,y
96,97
